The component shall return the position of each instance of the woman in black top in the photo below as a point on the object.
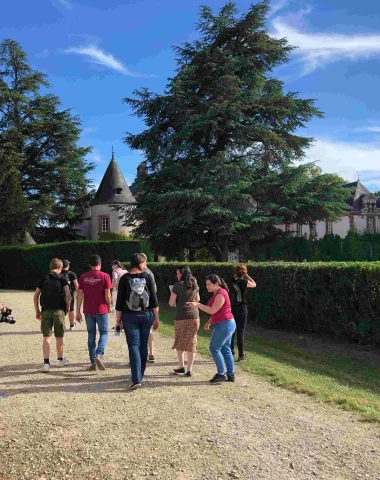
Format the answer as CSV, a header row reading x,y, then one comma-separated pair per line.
x,y
239,308
137,308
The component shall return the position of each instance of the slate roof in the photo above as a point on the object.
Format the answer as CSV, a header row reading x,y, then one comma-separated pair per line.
x,y
113,179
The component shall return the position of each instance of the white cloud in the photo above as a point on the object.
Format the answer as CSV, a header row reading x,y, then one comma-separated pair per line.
x,y
373,129
96,157
89,130
65,3
346,159
318,49
98,56
276,7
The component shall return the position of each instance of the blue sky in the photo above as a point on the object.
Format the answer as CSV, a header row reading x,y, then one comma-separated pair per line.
x,y
96,52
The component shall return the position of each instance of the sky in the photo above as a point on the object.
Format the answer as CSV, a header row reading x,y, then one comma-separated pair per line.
x,y
96,52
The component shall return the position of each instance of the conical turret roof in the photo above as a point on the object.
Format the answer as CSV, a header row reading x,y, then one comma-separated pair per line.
x,y
113,189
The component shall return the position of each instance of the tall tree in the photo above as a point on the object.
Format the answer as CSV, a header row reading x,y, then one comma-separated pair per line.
x,y
223,125
41,140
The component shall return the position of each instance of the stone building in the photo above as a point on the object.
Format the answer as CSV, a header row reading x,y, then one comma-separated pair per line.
x,y
113,190
363,217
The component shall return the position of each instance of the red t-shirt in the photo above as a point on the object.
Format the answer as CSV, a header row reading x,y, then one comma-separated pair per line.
x,y
93,284
224,313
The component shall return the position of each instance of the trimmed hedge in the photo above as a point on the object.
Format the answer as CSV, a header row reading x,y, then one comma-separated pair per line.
x,y
340,300
21,266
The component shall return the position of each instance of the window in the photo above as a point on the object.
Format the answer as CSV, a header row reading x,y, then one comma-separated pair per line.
x,y
298,230
118,191
105,224
287,228
370,225
329,228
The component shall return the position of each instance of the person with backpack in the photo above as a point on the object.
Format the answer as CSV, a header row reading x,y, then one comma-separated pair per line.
x,y
222,320
137,309
241,281
95,289
53,293
72,280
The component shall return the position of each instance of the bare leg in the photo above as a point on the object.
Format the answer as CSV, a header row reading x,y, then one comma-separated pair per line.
x,y
190,361
46,347
71,318
181,358
151,344
59,347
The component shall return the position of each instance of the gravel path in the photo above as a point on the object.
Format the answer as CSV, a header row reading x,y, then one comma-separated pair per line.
x,y
71,423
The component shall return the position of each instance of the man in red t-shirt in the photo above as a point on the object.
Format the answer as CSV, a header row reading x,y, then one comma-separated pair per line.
x,y
95,286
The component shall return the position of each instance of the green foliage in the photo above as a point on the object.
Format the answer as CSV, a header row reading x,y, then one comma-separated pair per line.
x,y
22,266
222,141
42,140
339,300
112,236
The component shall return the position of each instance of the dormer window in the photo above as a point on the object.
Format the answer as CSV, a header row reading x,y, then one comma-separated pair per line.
x,y
118,191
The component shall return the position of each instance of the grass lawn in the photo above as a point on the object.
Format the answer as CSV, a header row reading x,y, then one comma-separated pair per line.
x,y
347,382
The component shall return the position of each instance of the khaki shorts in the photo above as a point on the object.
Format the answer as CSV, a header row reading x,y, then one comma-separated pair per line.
x,y
50,319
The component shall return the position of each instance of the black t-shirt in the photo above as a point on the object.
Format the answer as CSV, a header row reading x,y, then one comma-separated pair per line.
x,y
64,283
242,283
70,276
121,302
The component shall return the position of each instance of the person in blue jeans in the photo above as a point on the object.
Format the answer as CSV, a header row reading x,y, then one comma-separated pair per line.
x,y
219,307
137,308
95,287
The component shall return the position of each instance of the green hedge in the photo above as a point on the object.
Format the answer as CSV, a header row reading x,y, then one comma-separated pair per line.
x,y
21,266
340,300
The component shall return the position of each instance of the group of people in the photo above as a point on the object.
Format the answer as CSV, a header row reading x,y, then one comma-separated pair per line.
x,y
134,301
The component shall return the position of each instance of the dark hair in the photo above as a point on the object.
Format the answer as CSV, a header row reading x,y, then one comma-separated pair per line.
x,y
118,263
136,260
240,270
95,260
213,278
187,277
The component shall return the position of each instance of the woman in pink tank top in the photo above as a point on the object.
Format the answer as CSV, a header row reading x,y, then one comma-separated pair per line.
x,y
222,320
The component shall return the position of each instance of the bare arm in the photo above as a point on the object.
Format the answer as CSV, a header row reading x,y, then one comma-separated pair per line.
x,y
36,299
172,299
79,305
107,296
76,285
251,283
217,305
156,321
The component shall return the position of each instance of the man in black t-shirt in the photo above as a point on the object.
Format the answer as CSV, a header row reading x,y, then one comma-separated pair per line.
x,y
52,291
72,279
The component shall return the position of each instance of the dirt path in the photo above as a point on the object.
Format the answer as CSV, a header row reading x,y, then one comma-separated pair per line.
x,y
71,423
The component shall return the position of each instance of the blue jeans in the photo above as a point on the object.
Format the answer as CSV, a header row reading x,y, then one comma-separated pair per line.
x,y
137,326
100,319
220,346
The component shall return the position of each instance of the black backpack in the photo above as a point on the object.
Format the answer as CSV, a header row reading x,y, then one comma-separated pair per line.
x,y
66,275
235,295
52,294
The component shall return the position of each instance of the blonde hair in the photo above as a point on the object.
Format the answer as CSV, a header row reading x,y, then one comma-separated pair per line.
x,y
55,264
144,256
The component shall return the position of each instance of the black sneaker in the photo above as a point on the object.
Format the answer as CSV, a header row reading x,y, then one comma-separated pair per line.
x,y
92,367
230,378
151,359
188,374
135,386
179,370
217,378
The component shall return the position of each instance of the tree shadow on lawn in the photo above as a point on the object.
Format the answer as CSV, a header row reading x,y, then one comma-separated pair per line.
x,y
348,372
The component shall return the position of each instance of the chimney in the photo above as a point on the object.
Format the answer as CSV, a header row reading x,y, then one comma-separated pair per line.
x,y
142,170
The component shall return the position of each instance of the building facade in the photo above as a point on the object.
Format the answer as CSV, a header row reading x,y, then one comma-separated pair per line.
x,y
363,217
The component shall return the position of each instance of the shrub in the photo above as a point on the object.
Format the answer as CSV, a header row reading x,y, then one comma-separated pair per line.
x,y
340,300
115,236
21,266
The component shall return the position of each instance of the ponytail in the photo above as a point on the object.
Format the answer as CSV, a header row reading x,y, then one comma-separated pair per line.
x,y
215,279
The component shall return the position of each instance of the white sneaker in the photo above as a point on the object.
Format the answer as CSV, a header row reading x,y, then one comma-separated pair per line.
x,y
46,367
63,363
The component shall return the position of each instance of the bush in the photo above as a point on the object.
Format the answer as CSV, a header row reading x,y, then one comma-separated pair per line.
x,y
340,300
21,266
115,236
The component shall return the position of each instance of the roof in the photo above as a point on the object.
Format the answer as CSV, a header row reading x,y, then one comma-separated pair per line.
x,y
112,181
